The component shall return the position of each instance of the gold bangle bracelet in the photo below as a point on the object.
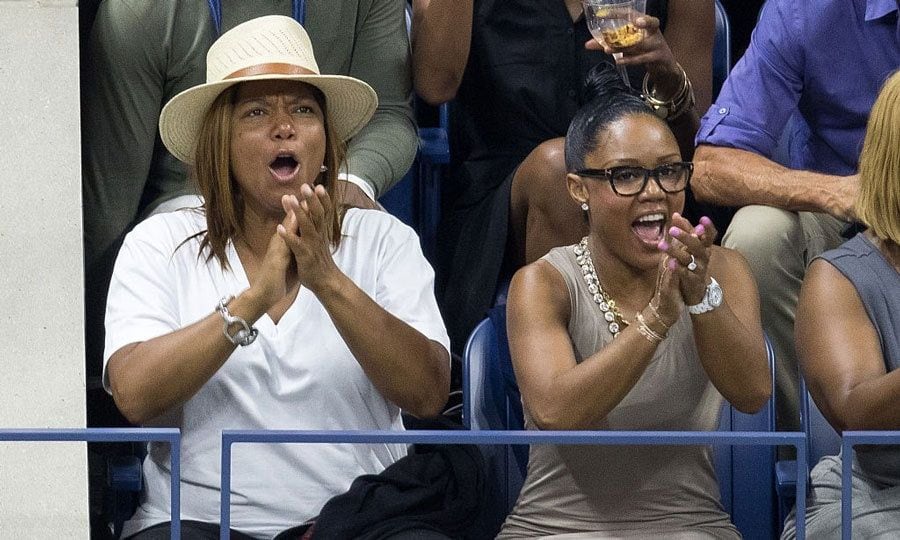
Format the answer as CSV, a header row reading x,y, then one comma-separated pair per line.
x,y
658,317
670,109
648,332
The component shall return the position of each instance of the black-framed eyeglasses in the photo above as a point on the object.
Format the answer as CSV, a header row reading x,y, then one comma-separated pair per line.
x,y
629,181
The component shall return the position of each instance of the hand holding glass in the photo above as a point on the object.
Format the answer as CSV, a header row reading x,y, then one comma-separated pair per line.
x,y
613,22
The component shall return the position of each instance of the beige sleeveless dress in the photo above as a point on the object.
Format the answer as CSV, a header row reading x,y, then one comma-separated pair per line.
x,y
628,491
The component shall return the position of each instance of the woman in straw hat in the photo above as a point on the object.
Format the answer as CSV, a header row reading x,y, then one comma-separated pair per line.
x,y
848,338
269,306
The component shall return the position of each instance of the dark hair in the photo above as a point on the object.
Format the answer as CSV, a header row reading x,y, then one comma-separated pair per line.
x,y
606,98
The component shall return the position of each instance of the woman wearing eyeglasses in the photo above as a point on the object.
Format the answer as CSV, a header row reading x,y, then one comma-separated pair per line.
x,y
643,325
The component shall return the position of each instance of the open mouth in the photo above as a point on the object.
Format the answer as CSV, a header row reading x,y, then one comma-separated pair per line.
x,y
284,167
650,228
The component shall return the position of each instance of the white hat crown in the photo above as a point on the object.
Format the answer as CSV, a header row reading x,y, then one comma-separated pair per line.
x,y
273,39
266,48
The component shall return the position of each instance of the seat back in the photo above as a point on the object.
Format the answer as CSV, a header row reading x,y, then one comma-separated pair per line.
x,y
822,439
746,473
491,400
721,49
416,198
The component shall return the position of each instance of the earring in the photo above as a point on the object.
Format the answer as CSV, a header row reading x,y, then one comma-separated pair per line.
x,y
585,207
323,168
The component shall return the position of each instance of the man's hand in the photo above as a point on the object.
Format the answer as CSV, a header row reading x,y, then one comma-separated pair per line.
x,y
354,196
842,205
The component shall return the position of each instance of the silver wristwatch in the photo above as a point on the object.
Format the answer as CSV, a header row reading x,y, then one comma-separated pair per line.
x,y
245,335
711,300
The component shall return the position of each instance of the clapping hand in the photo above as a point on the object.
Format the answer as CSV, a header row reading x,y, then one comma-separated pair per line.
x,y
306,234
688,255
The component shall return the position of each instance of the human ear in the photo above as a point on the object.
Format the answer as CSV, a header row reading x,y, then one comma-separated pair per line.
x,y
577,189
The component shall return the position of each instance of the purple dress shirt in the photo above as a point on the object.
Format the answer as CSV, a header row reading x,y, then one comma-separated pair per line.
x,y
825,59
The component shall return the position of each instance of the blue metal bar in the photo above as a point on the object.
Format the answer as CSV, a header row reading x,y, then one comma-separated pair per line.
x,y
653,438
169,435
851,439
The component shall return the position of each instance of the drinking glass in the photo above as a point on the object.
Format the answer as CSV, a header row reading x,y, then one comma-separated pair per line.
x,y
613,22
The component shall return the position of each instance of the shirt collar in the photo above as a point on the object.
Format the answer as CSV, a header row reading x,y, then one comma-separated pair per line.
x,y
876,9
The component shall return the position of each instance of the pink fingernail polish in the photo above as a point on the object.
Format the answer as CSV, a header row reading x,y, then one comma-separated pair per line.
x,y
674,231
672,264
706,221
663,245
699,229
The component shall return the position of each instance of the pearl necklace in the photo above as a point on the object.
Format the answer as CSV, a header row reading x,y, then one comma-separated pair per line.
x,y
606,304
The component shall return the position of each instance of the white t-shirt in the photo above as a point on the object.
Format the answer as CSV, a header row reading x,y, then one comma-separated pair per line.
x,y
298,374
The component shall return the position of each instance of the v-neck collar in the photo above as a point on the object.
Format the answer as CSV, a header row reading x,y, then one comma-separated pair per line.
x,y
265,322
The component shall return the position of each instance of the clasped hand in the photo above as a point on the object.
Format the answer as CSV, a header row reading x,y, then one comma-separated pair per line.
x,y
300,244
678,284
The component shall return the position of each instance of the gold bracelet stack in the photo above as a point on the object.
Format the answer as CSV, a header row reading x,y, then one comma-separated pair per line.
x,y
672,108
648,332
658,317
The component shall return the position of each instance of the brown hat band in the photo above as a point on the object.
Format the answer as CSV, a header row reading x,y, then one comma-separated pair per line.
x,y
270,69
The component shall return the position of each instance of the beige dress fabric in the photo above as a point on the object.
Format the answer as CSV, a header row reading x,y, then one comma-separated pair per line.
x,y
628,491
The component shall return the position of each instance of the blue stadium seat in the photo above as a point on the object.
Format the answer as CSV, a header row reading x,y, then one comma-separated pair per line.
x,y
821,440
491,401
721,50
415,200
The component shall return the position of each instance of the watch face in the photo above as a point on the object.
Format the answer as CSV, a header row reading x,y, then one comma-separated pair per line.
x,y
714,294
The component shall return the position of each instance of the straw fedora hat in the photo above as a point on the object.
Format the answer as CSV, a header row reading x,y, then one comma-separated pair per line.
x,y
270,47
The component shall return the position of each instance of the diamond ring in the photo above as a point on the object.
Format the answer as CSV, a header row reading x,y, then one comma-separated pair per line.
x,y
693,264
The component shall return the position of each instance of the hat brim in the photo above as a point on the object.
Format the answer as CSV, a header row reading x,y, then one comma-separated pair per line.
x,y
350,104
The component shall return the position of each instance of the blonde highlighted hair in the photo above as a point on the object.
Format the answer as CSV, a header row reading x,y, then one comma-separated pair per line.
x,y
223,200
878,201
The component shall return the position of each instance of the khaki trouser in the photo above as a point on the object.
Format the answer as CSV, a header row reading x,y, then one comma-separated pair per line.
x,y
779,245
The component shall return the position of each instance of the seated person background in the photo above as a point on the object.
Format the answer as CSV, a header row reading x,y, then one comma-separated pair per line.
x,y
141,54
515,69
643,325
309,289
848,337
798,63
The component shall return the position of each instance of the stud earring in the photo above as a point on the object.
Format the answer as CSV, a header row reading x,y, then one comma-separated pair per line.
x,y
585,207
323,168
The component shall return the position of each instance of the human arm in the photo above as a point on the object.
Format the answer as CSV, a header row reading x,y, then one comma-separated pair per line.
x,y
441,37
743,379
382,152
736,177
148,377
123,91
558,392
840,354
408,368
739,134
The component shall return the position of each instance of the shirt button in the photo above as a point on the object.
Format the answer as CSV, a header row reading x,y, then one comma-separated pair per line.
x,y
723,110
570,31
571,93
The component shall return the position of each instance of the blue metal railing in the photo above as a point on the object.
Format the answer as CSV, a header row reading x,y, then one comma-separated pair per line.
x,y
231,437
851,439
169,435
